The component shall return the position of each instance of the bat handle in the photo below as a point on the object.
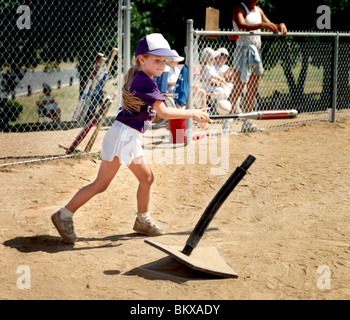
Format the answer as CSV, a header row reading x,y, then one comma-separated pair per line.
x,y
215,204
114,52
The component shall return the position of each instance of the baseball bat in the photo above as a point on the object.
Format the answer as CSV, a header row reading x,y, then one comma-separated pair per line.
x,y
88,97
97,87
87,87
215,205
85,130
92,140
259,115
114,52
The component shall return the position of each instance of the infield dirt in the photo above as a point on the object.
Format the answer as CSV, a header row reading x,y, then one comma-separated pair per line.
x,y
284,230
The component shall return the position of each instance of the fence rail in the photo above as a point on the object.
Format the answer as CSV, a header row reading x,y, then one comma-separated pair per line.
x,y
306,71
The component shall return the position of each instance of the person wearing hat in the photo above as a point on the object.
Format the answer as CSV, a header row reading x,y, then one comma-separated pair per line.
x,y
212,81
173,71
225,71
221,61
49,106
221,64
141,101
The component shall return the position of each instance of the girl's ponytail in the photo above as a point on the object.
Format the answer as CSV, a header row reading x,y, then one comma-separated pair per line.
x,y
130,102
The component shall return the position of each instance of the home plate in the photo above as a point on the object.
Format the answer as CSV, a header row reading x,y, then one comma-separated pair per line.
x,y
203,263
205,260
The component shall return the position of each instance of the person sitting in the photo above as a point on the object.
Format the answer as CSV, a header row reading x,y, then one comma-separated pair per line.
x,y
173,70
221,64
225,71
48,106
212,81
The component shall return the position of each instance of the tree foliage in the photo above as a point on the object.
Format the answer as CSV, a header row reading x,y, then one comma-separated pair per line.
x,y
76,30
169,16
60,31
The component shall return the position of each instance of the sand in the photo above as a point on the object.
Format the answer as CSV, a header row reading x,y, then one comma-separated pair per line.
x,y
284,229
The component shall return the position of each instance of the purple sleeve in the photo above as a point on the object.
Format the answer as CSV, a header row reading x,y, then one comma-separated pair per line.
x,y
146,89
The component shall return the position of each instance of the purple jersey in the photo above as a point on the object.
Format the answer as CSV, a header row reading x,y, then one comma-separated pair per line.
x,y
146,89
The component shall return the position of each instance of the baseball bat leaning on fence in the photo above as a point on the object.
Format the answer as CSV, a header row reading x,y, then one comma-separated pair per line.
x,y
88,99
85,130
87,87
259,115
97,88
92,140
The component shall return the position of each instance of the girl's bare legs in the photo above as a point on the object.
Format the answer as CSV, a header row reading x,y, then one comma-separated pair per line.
x,y
106,173
144,175
143,223
62,219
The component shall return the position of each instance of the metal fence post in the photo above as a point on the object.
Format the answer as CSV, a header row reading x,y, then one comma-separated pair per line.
x,y
335,76
120,51
127,35
189,60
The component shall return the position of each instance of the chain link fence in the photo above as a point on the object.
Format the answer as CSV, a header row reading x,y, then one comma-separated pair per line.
x,y
53,46
308,72
48,51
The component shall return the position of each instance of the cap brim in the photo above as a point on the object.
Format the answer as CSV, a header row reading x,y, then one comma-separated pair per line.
x,y
177,59
162,53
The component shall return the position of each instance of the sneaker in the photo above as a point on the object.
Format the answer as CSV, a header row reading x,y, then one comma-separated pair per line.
x,y
64,227
148,228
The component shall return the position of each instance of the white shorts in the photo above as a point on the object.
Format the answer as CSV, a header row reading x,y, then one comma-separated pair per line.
x,y
122,141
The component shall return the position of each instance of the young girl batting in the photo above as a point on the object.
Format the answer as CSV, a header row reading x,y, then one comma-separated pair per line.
x,y
141,101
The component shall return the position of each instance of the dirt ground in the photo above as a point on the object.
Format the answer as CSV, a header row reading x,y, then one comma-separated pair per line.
x,y
284,229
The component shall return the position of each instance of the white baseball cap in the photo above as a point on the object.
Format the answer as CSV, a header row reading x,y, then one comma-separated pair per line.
x,y
222,51
154,44
178,58
208,54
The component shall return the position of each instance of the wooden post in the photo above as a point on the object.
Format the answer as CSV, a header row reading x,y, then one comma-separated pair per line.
x,y
212,21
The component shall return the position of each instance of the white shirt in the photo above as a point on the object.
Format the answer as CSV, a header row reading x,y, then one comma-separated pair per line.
x,y
252,17
208,72
173,74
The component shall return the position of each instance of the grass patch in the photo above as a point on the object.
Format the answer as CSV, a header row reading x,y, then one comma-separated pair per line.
x,y
67,99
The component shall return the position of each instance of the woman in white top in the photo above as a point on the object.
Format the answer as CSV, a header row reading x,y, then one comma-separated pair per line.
x,y
247,16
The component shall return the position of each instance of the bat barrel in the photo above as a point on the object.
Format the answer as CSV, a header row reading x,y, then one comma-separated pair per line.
x,y
260,115
215,204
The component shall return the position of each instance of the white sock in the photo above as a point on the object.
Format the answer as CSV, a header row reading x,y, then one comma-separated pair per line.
x,y
65,214
143,216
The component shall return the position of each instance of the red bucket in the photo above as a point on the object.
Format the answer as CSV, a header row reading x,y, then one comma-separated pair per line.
x,y
177,128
